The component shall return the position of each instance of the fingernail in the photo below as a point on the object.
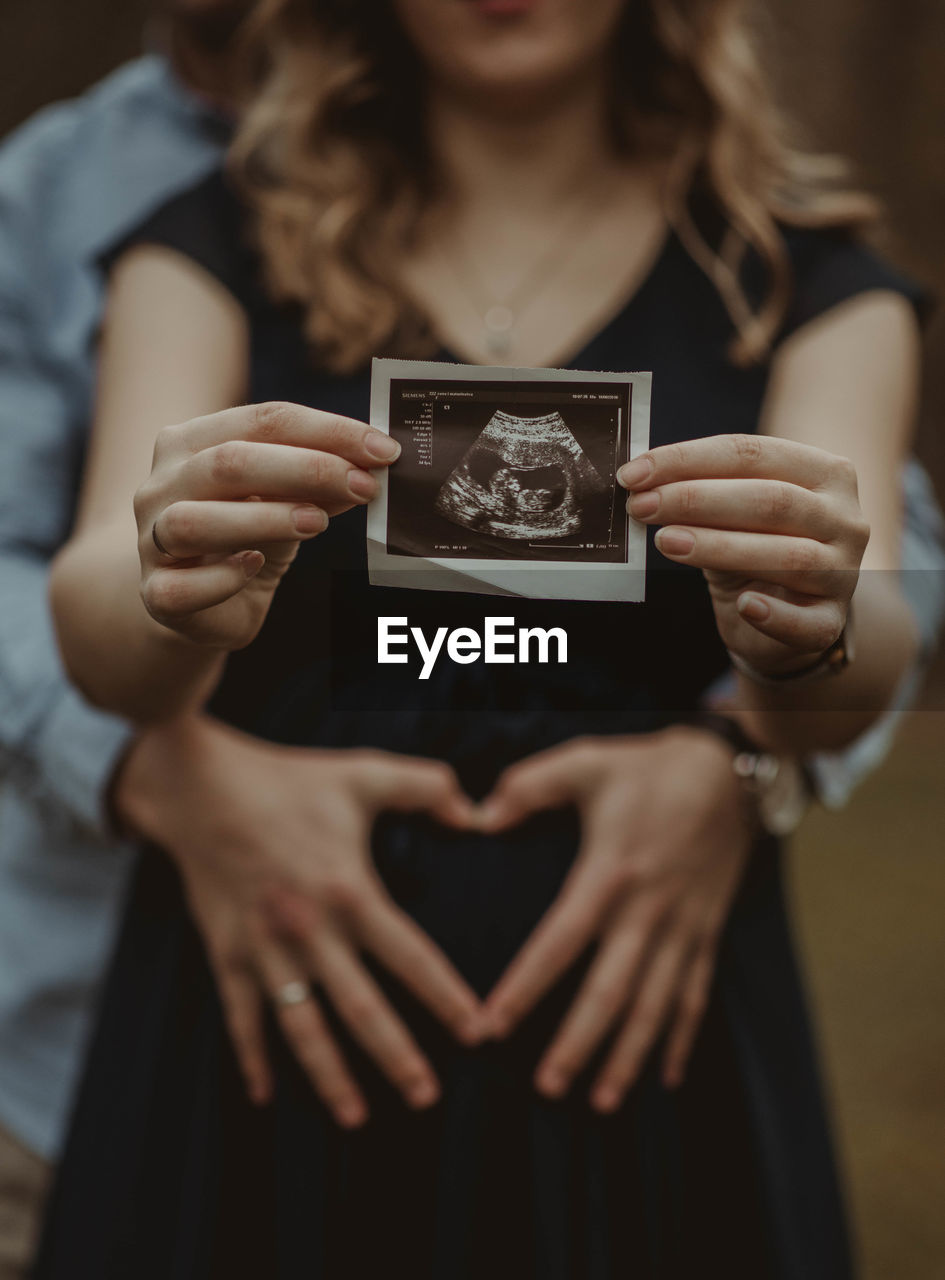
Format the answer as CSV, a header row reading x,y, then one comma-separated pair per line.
x,y
381,446
644,505
362,484
635,473
309,520
495,1023
464,813
551,1081
486,816
754,607
605,1099
250,562
423,1094
472,1029
675,542
351,1114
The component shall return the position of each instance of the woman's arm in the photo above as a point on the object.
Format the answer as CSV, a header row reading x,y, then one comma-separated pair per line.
x,y
849,383
780,523
184,531
174,346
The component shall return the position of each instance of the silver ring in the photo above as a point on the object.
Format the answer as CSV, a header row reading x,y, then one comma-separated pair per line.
x,y
291,993
157,542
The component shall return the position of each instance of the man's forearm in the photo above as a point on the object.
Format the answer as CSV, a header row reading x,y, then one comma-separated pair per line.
x,y
829,713
121,659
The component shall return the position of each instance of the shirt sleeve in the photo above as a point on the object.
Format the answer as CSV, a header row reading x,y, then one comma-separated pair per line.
x,y
53,745
208,225
831,266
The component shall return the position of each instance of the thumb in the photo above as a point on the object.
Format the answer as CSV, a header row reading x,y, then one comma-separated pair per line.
x,y
545,781
411,784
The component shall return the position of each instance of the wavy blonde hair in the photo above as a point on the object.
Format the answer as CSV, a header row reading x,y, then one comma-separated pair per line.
x,y
331,156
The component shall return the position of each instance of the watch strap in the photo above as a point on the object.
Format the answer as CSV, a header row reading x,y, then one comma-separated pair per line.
x,y
728,729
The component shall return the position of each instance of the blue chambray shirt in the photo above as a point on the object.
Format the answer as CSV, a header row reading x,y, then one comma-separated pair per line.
x,y
73,181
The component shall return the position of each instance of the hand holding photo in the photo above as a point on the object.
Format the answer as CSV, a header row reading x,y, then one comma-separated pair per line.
x,y
507,480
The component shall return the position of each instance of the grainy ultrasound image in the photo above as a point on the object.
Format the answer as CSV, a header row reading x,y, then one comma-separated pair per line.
x,y
508,470
523,478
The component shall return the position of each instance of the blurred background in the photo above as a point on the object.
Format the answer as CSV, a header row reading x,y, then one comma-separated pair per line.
x,y
865,77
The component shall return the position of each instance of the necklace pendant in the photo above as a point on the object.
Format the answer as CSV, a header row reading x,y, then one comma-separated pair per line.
x,y
498,319
498,344
498,322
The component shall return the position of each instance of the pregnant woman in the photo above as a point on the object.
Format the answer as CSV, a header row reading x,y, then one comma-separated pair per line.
x,y
521,1023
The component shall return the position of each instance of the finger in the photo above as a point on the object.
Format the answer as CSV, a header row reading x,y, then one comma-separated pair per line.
x,y
546,780
644,1023
371,1020
243,468
172,593
411,955
801,563
242,1011
189,529
603,994
811,626
731,456
690,1010
558,939
307,1035
411,784
280,422
764,506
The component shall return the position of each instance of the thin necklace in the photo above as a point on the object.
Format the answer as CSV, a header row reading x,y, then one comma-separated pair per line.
x,y
500,313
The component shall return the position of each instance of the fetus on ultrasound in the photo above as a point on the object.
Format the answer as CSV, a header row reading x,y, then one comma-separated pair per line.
x,y
522,478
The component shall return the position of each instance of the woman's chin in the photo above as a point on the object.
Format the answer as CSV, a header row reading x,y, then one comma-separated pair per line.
x,y
520,51
512,76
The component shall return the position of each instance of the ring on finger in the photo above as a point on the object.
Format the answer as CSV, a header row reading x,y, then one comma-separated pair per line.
x,y
292,993
158,543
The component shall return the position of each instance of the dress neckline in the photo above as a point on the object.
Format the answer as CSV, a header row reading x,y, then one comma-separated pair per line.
x,y
620,314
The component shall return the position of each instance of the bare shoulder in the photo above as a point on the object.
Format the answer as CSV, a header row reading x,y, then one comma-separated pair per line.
x,y
873,335
158,280
857,362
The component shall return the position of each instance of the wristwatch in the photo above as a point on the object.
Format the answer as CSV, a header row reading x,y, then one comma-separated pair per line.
x,y
779,788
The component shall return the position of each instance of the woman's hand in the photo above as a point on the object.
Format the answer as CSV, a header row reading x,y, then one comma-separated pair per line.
x,y
273,846
776,528
228,500
664,842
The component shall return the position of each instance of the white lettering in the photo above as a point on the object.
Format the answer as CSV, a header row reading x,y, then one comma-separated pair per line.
x,y
544,643
495,637
428,653
385,639
464,645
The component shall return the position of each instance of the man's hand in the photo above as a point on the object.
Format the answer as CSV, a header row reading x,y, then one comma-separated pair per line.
x,y
664,843
273,845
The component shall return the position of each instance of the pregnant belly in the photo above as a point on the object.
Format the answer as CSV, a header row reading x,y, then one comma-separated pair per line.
x,y
478,897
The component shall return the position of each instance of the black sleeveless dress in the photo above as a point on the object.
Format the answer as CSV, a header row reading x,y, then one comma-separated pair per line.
x,y
169,1174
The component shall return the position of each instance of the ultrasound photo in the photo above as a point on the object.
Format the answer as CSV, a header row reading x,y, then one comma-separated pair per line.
x,y
506,478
